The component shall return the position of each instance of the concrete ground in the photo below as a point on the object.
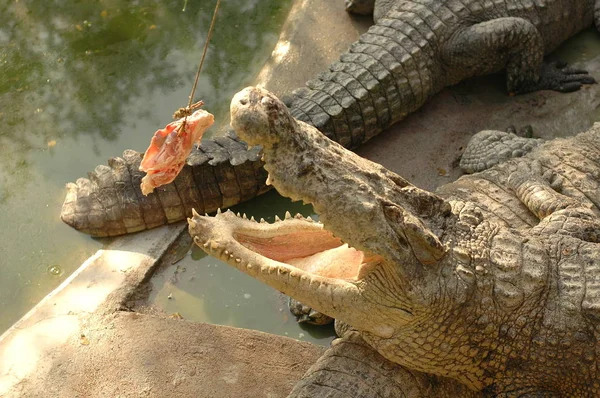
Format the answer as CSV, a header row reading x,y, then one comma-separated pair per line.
x,y
126,354
79,341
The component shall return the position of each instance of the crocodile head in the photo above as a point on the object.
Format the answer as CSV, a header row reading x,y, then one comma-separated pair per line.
x,y
368,262
391,260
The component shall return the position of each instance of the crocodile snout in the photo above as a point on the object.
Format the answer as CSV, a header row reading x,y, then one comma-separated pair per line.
x,y
249,120
259,117
250,96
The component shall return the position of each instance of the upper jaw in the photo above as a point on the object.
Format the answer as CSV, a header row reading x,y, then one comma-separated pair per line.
x,y
359,201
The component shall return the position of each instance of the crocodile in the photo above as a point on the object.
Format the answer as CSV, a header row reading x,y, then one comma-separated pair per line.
x,y
414,49
488,287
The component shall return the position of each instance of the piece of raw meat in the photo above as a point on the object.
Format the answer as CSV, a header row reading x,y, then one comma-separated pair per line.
x,y
165,157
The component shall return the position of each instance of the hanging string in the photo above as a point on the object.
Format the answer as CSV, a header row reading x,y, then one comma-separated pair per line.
x,y
188,110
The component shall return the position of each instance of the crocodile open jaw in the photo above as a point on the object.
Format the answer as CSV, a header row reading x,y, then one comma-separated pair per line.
x,y
340,263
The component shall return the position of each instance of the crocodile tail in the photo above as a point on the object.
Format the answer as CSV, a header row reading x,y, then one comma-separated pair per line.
x,y
220,173
388,73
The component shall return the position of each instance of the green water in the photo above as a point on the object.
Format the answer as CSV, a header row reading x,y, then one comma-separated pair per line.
x,y
202,288
80,82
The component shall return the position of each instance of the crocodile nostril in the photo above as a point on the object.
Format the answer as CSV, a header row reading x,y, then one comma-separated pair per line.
x,y
266,101
244,101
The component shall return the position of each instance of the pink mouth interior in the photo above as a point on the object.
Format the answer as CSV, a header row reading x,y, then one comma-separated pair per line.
x,y
319,253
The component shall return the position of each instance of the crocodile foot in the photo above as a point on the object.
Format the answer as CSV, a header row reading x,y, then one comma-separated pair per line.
x,y
558,77
305,314
490,147
533,172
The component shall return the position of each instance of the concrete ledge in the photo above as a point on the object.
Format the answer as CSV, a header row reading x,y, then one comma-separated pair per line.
x,y
132,355
29,346
313,36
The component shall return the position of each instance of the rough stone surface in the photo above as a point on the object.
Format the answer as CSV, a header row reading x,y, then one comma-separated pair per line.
x,y
132,355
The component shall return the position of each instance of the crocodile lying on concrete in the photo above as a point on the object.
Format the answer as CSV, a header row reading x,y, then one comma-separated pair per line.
x,y
415,49
490,287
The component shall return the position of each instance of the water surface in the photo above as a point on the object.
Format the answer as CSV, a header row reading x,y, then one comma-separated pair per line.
x,y
81,82
203,288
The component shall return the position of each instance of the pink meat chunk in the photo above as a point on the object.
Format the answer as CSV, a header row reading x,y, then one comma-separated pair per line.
x,y
169,147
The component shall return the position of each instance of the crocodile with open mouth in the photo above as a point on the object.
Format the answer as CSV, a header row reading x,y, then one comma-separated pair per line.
x,y
489,287
414,50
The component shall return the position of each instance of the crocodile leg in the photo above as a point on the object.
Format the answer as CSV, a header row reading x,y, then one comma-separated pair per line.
x,y
490,147
533,187
559,214
351,368
515,44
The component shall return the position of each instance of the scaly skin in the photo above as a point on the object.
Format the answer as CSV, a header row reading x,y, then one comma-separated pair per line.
x,y
220,173
490,285
415,49
489,147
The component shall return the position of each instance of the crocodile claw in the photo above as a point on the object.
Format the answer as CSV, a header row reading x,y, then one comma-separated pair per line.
x,y
558,77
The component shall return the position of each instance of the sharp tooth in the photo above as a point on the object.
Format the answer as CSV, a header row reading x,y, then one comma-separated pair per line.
x,y
226,252
206,214
238,260
268,182
205,245
195,213
214,245
244,216
277,219
238,214
231,255
287,215
219,210
249,266
262,220
252,219
309,219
